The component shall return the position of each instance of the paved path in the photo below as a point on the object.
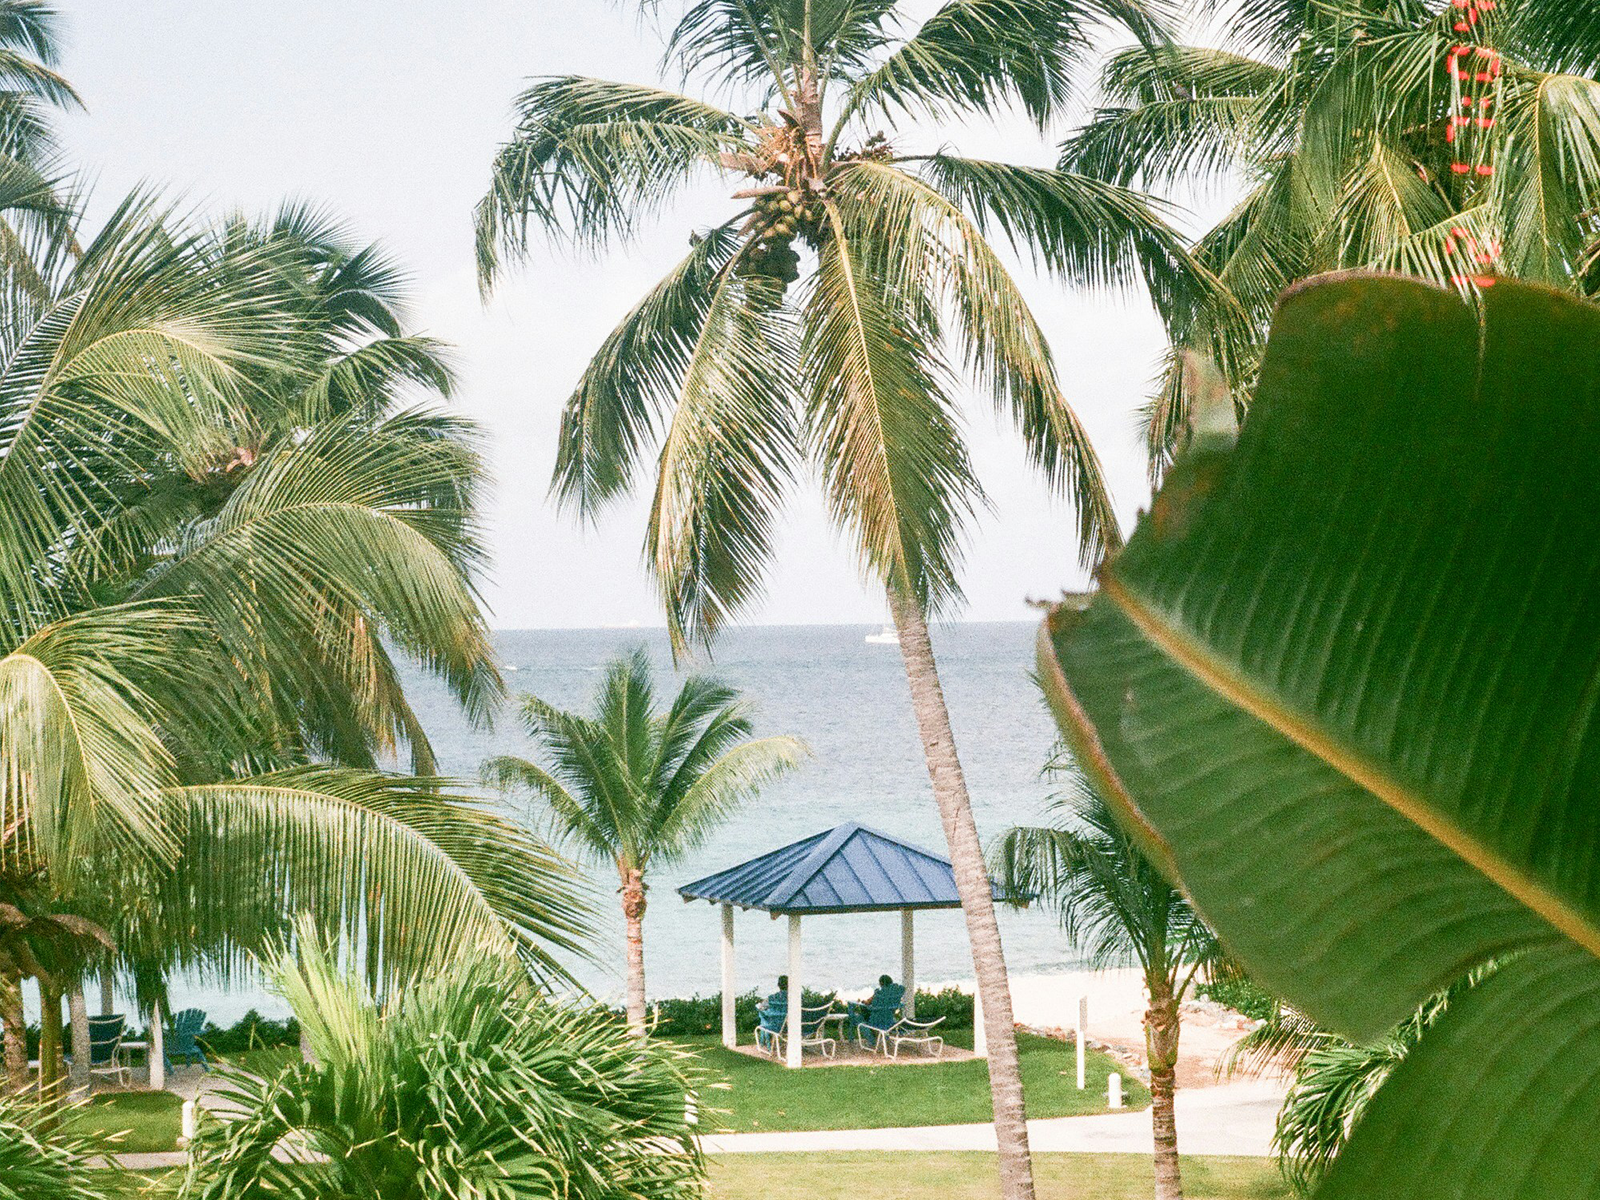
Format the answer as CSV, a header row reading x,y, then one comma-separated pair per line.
x,y
1234,1118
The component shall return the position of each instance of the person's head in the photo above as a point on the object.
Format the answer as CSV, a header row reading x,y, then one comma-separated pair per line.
x,y
783,983
885,981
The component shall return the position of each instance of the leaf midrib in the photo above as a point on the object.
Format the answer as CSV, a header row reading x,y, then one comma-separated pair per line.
x,y
1193,656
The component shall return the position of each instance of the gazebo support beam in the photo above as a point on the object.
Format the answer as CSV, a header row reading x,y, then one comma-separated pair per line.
x,y
908,962
792,1025
730,1027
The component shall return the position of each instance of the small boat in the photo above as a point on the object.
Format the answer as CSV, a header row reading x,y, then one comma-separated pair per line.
x,y
884,637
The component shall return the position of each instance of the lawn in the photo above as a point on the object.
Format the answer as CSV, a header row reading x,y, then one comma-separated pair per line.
x,y
924,1175
763,1095
152,1120
920,1175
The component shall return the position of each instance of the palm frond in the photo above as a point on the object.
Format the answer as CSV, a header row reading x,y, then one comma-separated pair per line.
x,y
592,159
732,778
880,421
635,376
922,243
976,56
81,765
413,875
728,453
1086,231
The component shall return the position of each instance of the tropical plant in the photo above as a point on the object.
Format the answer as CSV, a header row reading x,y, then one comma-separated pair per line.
x,y
1333,1079
40,1160
1358,148
463,1083
1115,907
633,785
1340,685
736,383
37,205
216,529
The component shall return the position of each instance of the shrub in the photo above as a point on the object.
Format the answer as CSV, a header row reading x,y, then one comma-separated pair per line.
x,y
465,1084
251,1032
40,1160
1240,994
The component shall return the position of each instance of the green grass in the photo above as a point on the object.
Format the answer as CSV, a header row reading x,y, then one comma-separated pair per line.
x,y
152,1120
765,1096
922,1175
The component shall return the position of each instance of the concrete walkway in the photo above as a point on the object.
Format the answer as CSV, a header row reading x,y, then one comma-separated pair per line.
x,y
1234,1118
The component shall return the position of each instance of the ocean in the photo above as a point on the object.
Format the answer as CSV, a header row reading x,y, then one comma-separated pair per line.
x,y
849,701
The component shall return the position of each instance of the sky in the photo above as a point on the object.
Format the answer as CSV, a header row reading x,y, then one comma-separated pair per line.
x,y
388,114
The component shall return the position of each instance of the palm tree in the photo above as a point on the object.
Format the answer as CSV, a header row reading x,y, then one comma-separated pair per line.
x,y
1333,1079
1340,120
736,383
216,528
1117,907
37,204
634,785
462,1083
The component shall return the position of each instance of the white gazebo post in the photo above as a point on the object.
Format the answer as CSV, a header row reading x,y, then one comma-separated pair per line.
x,y
908,963
156,1051
980,1040
792,1025
730,1026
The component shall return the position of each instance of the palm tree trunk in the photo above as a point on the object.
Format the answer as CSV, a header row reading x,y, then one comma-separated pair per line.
x,y
16,1033
977,901
1161,1028
78,1012
51,1066
633,904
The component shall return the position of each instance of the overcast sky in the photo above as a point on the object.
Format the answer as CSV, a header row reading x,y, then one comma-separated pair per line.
x,y
388,114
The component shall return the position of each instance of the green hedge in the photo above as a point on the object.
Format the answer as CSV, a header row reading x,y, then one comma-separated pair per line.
x,y
1242,995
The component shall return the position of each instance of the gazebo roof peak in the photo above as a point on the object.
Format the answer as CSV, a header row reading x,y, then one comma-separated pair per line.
x,y
849,868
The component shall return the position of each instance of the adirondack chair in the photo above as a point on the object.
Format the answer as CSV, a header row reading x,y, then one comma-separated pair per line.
x,y
769,1029
875,1020
183,1038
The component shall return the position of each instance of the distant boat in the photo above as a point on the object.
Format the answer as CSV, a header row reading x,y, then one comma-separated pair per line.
x,y
884,637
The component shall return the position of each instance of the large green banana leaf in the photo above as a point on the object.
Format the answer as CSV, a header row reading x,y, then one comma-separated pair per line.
x,y
1342,683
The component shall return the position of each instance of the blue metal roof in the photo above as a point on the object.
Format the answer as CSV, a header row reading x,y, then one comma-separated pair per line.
x,y
846,869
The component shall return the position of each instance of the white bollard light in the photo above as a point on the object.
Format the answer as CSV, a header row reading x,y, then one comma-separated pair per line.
x,y
1114,1090
188,1121
1082,1035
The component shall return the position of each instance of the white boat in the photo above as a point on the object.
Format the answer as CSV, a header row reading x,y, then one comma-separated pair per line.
x,y
884,637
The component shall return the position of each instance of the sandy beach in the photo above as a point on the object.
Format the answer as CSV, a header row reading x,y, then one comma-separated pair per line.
x,y
1048,1003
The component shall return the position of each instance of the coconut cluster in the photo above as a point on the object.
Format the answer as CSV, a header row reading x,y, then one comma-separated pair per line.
x,y
778,217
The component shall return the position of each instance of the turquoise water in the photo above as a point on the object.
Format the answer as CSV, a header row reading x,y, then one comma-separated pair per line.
x,y
849,701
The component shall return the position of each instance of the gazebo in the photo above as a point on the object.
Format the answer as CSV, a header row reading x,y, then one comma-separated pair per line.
x,y
847,869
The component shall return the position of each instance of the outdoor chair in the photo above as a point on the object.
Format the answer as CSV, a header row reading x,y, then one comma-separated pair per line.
x,y
105,1047
915,1033
183,1038
769,1030
876,1019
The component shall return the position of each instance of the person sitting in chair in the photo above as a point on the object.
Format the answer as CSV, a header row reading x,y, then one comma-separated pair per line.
x,y
779,1000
